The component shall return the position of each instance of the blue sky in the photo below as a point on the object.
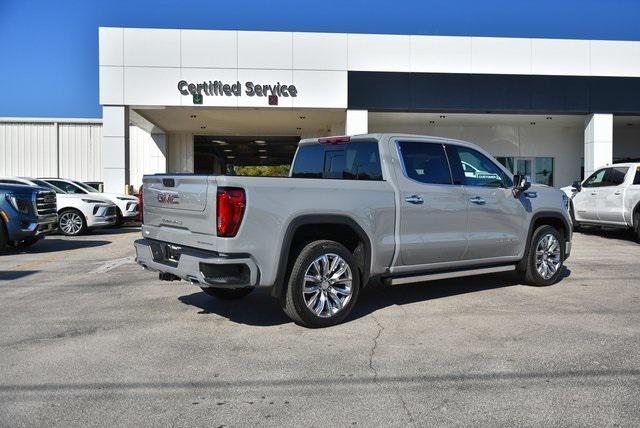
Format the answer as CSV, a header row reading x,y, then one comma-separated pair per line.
x,y
49,49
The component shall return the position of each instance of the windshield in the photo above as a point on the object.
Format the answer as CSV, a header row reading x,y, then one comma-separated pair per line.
x,y
48,186
85,187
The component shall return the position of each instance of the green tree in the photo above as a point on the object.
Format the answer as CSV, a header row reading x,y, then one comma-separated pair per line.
x,y
263,170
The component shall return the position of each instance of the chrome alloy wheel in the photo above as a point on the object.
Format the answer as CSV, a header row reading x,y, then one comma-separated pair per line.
x,y
327,285
548,256
70,223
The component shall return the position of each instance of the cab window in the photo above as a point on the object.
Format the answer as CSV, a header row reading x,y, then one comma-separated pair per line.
x,y
607,177
636,179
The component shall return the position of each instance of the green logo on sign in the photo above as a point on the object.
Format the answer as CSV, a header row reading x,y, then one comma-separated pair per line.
x,y
197,98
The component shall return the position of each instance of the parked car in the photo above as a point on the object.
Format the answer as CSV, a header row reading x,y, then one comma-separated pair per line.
x,y
609,197
76,213
355,210
127,205
26,214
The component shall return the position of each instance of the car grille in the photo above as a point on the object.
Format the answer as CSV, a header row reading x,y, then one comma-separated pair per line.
x,y
110,211
46,203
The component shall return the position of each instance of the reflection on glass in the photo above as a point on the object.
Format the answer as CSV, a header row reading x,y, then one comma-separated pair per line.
x,y
544,171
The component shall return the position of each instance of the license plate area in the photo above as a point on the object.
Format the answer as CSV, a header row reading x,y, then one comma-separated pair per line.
x,y
172,253
167,254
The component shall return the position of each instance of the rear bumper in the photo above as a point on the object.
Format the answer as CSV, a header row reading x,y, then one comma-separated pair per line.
x,y
200,267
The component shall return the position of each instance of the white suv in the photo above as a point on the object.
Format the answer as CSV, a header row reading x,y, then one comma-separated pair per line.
x,y
127,205
76,213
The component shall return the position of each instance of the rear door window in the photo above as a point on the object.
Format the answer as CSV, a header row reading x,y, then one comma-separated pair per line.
x,y
425,162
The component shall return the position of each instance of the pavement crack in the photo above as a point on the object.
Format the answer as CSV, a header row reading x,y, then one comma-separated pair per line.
x,y
373,369
372,353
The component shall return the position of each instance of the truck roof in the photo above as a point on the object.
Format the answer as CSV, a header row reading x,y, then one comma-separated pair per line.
x,y
382,135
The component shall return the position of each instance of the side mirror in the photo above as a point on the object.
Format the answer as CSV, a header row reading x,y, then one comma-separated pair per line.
x,y
577,185
521,183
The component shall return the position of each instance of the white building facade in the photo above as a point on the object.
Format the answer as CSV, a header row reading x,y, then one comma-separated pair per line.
x,y
173,98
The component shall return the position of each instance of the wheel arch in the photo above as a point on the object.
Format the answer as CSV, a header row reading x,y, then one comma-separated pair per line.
x,y
296,233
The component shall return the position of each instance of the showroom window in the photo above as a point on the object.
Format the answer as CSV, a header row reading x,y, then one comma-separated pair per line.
x,y
539,169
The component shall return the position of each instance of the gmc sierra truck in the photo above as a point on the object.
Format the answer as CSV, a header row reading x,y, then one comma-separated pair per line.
x,y
26,214
355,210
610,197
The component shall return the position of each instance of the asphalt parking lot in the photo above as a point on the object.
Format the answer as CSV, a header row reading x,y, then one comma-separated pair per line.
x,y
89,338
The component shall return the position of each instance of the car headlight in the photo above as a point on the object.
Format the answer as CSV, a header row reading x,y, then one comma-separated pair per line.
x,y
565,201
93,201
20,205
126,198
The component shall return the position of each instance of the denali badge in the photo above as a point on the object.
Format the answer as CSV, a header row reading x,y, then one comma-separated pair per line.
x,y
168,198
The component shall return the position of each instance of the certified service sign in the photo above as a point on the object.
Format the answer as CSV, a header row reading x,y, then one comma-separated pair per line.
x,y
217,88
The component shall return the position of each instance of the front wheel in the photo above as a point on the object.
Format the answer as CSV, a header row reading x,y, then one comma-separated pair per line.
x,y
71,222
545,259
3,237
227,293
323,285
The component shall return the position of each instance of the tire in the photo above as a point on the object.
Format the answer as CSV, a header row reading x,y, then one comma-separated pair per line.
x,y
26,243
636,224
4,240
543,254
119,218
227,293
78,226
334,292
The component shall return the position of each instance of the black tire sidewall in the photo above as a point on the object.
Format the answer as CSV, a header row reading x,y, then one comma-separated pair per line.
x,y
532,275
295,283
83,229
4,239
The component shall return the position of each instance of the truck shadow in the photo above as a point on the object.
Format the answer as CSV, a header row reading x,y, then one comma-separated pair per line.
x,y
260,309
618,234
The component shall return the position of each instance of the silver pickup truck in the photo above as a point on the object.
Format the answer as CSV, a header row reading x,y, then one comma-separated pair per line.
x,y
354,211
610,197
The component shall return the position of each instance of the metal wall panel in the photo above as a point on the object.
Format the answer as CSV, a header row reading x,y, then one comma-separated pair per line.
x,y
28,149
180,152
81,151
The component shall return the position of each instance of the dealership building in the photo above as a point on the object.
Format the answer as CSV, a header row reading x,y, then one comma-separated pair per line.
x,y
206,101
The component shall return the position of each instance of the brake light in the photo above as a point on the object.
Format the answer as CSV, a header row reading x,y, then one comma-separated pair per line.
x,y
140,215
334,140
230,203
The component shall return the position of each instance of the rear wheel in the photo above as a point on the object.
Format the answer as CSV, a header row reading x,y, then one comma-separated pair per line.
x,y
227,293
71,222
323,285
545,259
636,224
119,218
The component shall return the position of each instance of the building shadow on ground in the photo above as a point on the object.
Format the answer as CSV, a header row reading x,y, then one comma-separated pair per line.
x,y
260,309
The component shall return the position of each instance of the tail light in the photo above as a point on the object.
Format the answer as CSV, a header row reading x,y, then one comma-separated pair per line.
x,y
229,210
140,215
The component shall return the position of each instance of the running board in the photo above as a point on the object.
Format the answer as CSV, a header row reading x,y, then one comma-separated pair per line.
x,y
447,275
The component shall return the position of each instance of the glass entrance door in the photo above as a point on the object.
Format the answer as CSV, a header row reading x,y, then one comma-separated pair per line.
x,y
539,169
524,166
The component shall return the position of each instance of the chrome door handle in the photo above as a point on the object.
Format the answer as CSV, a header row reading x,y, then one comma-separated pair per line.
x,y
477,200
618,193
594,193
414,199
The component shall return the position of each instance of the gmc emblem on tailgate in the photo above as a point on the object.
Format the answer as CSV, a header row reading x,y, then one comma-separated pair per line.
x,y
168,198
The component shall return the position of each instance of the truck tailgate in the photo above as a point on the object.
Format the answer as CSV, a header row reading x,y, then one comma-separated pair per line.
x,y
180,209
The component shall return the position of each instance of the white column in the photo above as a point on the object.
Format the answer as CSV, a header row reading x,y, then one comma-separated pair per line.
x,y
598,142
357,122
115,148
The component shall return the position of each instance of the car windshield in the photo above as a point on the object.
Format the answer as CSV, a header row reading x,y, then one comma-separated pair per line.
x,y
48,186
85,187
